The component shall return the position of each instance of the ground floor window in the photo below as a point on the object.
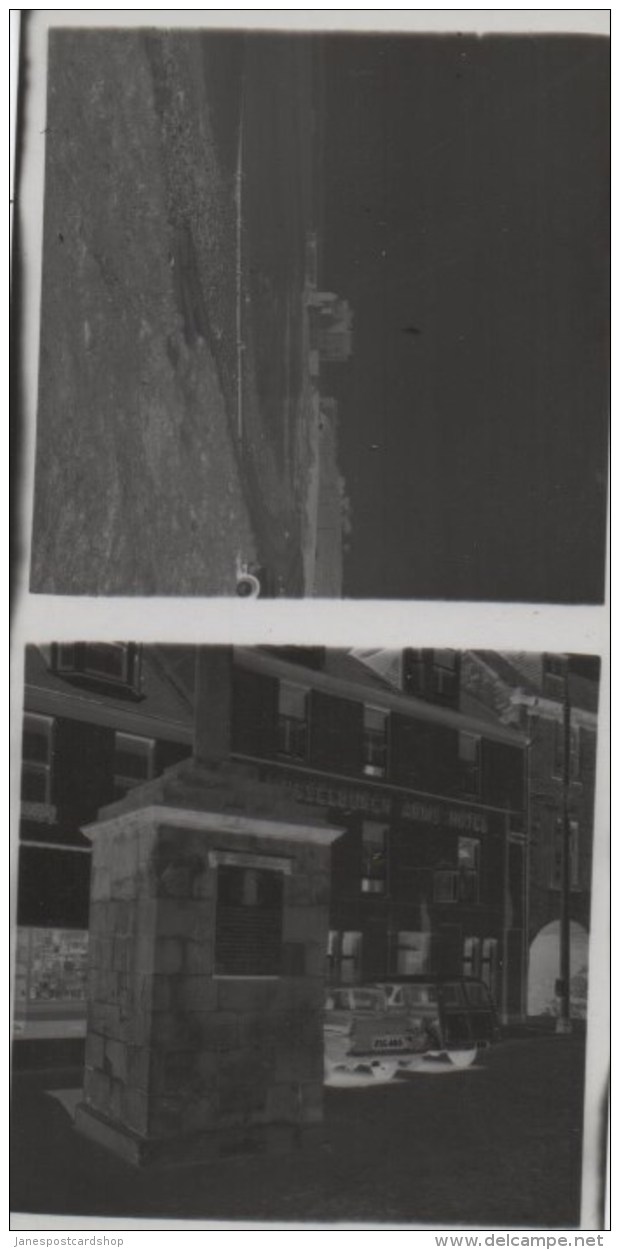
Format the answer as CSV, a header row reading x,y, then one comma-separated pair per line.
x,y
50,982
412,952
481,959
344,957
489,964
374,857
471,957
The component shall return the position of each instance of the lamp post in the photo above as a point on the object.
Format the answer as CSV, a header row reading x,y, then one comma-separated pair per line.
x,y
564,1023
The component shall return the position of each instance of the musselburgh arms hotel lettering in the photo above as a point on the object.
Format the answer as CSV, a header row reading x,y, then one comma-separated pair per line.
x,y
391,806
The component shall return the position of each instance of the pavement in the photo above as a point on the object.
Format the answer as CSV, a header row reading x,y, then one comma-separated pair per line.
x,y
495,1145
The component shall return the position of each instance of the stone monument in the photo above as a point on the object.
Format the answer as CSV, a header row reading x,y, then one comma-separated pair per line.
x,y
208,933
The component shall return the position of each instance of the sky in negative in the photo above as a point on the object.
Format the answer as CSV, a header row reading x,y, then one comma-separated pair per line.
x,y
465,218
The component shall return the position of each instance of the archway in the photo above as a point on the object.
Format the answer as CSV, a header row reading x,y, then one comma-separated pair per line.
x,y
544,969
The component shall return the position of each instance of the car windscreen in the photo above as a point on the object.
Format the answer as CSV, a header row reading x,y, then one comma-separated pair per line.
x,y
354,999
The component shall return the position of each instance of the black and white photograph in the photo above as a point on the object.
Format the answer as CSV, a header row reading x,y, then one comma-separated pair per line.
x,y
303,936
310,894
321,314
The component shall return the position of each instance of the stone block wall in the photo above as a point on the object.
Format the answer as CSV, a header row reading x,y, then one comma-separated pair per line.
x,y
174,1052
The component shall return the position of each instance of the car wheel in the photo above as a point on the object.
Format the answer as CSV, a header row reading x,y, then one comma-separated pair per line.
x,y
462,1058
248,586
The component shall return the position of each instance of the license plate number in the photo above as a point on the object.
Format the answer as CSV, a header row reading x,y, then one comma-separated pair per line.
x,y
389,1043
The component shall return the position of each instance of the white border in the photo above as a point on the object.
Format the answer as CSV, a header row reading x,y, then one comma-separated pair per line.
x,y
349,623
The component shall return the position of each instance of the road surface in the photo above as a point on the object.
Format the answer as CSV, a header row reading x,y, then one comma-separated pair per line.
x,y
498,1145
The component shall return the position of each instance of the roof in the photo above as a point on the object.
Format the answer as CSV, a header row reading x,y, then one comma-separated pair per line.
x,y
342,664
519,670
345,677
164,711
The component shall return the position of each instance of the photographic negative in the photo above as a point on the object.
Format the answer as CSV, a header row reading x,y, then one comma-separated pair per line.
x,y
326,906
323,315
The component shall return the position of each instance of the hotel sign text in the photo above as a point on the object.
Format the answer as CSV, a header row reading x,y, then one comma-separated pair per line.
x,y
357,799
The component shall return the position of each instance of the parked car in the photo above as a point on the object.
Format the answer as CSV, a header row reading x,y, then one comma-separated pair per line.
x,y
362,1036
381,1029
457,1014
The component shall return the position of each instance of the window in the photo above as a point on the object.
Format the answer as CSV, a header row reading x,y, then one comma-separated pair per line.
x,y
115,664
445,660
412,953
374,857
292,720
432,674
413,672
556,874
471,957
134,761
489,964
37,752
50,965
469,760
445,674
446,886
344,957
469,864
248,921
375,741
462,885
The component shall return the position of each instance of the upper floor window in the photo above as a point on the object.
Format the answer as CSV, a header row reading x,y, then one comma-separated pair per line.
x,y
469,869
116,664
292,720
460,884
444,663
375,741
469,760
134,761
344,957
37,753
433,674
374,857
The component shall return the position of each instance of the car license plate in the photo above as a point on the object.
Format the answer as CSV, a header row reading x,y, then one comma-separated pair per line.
x,y
390,1042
